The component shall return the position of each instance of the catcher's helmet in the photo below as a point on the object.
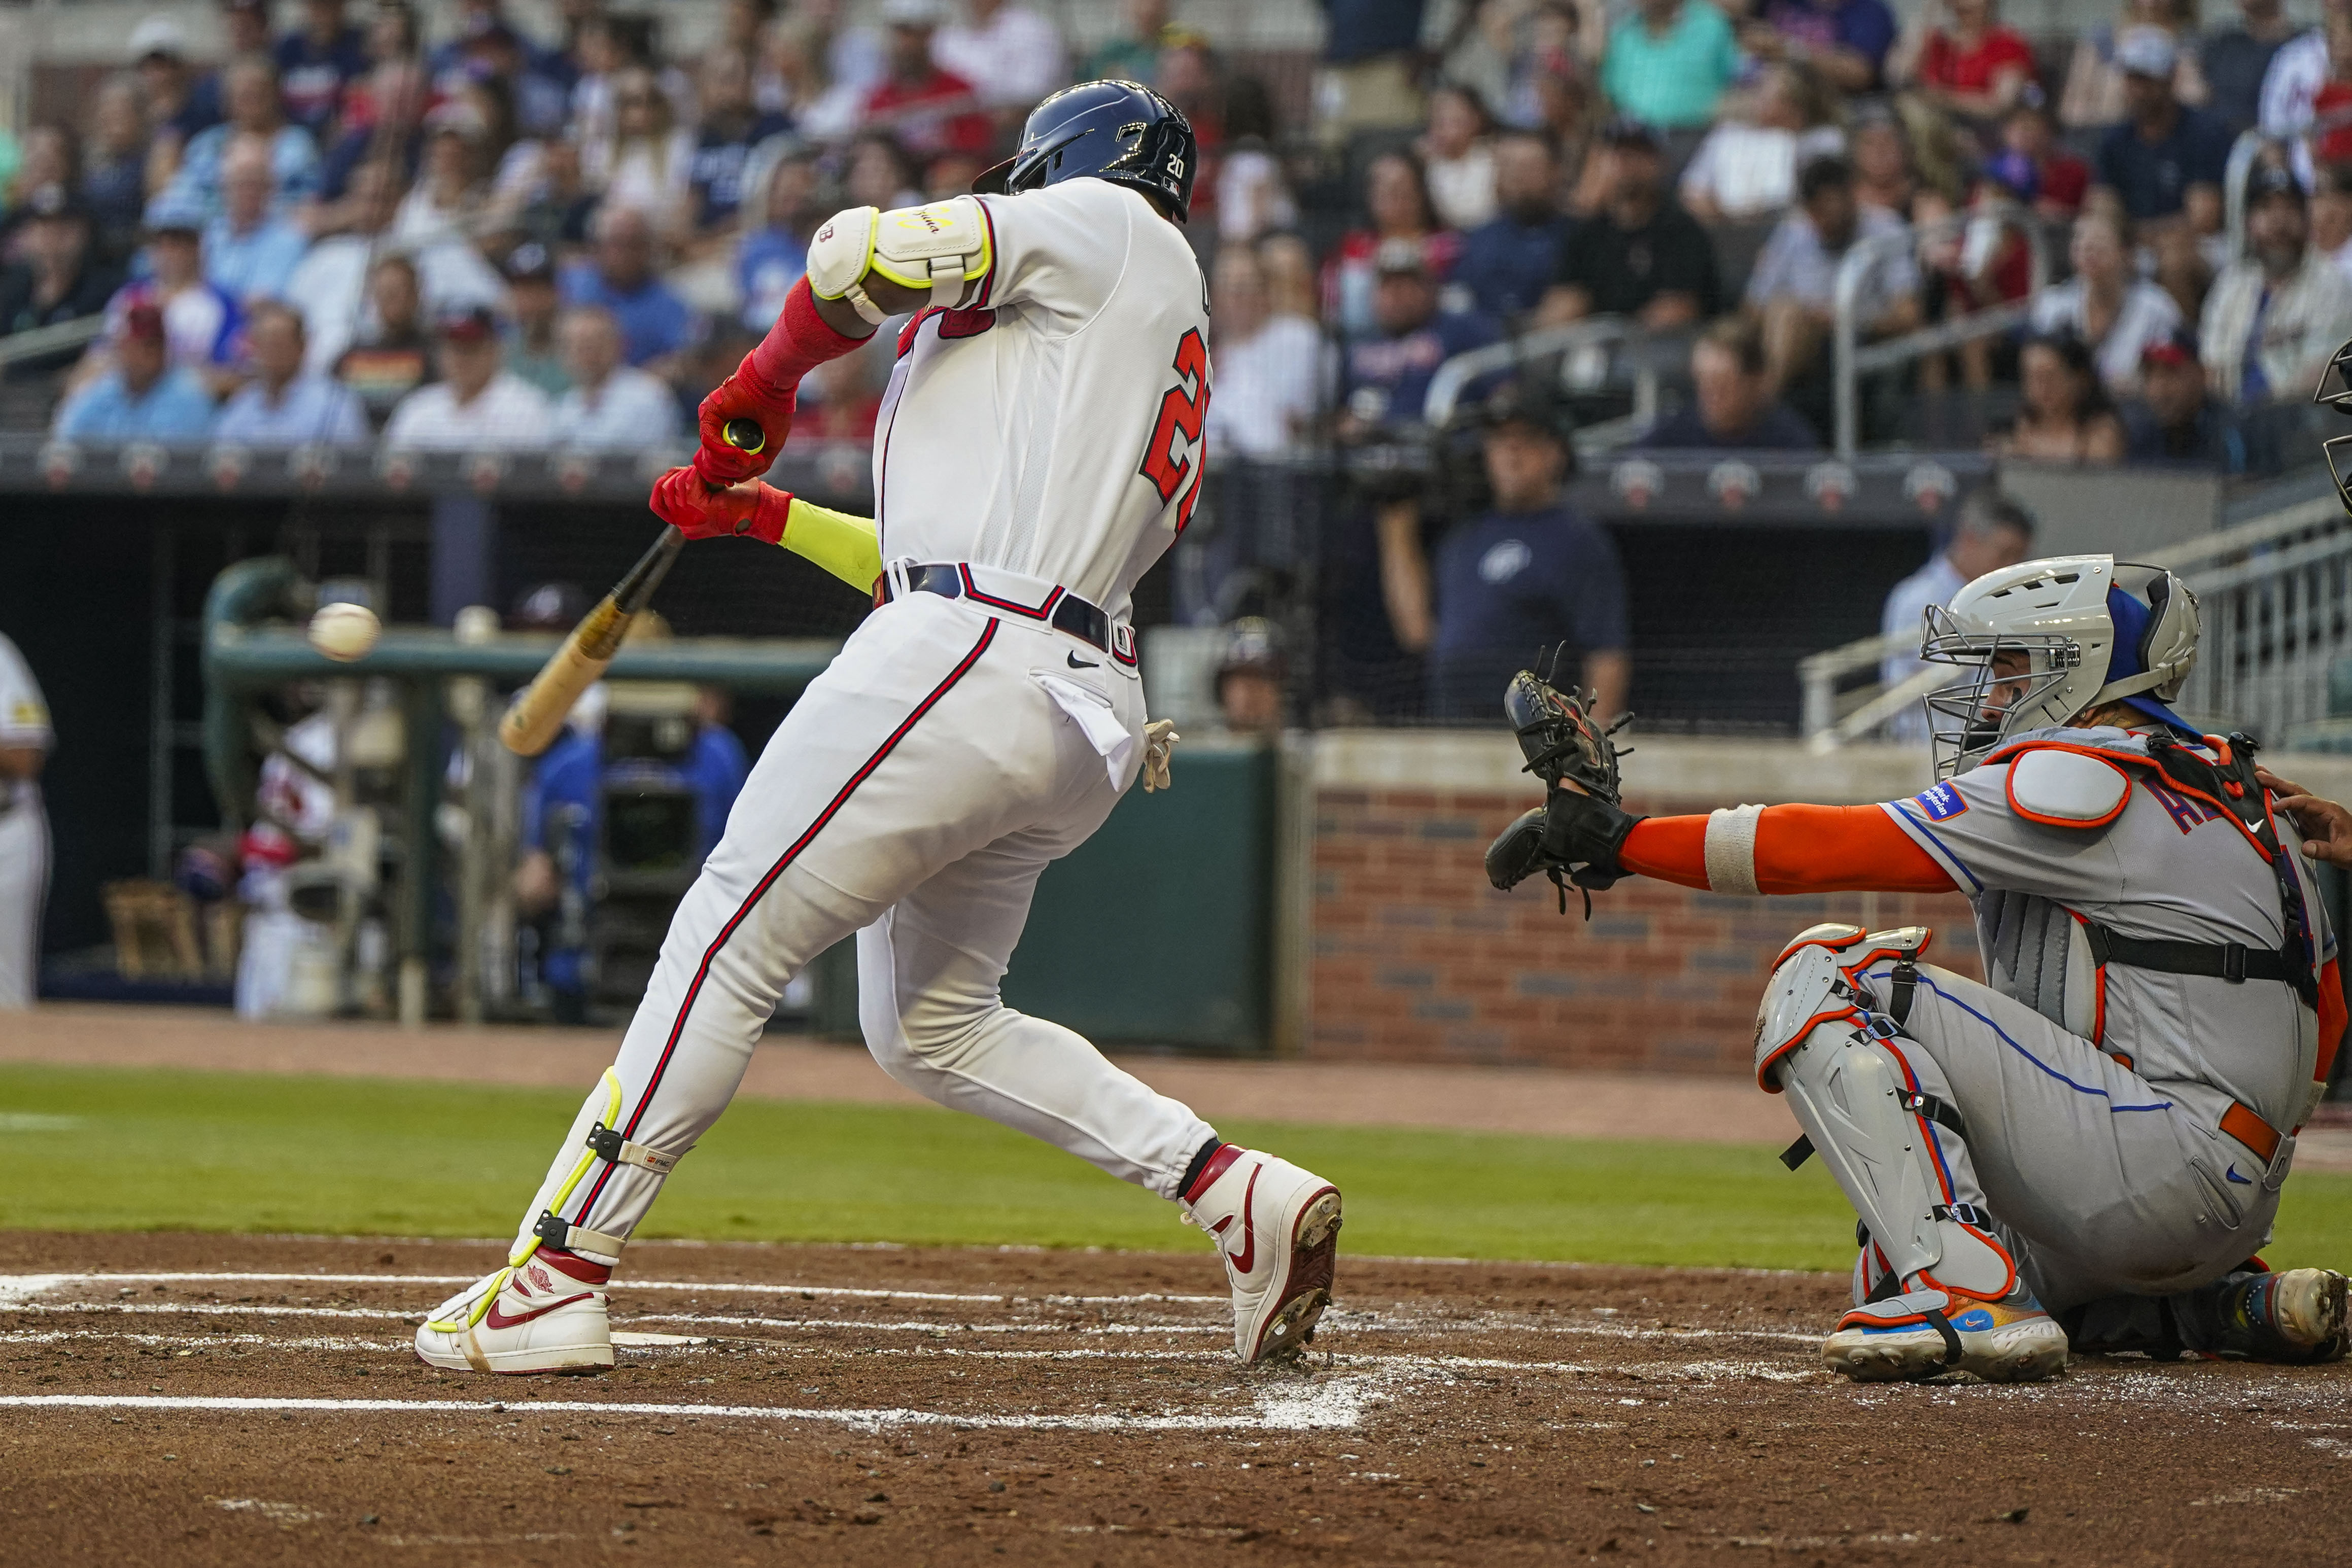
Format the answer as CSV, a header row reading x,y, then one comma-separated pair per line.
x,y
2089,630
1114,130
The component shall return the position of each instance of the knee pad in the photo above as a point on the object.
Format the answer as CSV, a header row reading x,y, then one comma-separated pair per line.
x,y
1809,988
1818,978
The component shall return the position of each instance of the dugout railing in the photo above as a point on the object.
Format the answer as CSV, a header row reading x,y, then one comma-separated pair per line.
x,y
2274,585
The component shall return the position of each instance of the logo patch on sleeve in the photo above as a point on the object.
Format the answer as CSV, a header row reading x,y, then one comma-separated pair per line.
x,y
1941,803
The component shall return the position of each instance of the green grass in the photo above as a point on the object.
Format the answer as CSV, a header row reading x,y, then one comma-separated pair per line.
x,y
121,1150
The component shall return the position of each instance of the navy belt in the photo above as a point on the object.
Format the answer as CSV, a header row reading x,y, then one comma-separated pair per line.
x,y
1063,610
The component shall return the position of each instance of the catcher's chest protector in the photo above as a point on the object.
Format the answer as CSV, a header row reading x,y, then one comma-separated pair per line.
x,y
2063,870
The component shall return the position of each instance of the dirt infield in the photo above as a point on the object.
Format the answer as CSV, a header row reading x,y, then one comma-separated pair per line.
x,y
216,1399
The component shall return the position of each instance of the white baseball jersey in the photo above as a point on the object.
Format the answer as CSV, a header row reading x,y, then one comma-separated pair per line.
x,y
1050,430
24,833
24,716
1052,427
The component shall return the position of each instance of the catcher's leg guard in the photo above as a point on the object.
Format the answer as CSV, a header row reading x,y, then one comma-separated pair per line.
x,y
1943,1289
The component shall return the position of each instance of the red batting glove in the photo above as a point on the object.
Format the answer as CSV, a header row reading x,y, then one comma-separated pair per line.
x,y
746,395
739,511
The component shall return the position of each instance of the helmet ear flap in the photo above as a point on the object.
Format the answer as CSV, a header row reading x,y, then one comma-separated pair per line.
x,y
2169,643
2159,596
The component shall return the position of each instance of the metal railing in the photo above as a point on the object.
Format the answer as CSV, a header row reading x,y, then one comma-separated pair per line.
x,y
42,342
1850,359
1598,332
2275,622
2275,594
2242,153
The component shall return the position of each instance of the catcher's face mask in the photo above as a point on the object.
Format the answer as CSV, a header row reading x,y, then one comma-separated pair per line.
x,y
2011,683
2335,391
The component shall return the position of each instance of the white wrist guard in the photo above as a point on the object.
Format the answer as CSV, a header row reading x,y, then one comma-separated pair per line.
x,y
1731,848
939,247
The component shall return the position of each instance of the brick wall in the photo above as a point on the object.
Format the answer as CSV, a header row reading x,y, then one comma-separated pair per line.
x,y
1414,959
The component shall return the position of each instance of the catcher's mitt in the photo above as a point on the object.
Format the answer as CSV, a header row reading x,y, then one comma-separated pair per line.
x,y
1576,834
1557,732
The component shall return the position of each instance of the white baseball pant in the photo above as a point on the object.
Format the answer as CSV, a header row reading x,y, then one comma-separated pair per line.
x,y
24,889
912,795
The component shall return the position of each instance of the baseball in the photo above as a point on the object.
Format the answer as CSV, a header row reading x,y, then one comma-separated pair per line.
x,y
344,631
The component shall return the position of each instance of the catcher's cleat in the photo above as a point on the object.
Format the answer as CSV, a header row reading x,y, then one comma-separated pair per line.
x,y
1927,1332
544,1314
1277,1227
2297,1316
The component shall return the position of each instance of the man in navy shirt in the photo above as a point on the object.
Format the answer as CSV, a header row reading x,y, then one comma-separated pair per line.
x,y
732,127
1367,82
1845,40
1387,379
2167,161
316,62
1529,573
657,326
1510,260
1734,408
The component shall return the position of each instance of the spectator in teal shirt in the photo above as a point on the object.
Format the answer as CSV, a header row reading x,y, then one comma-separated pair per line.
x,y
143,398
1668,62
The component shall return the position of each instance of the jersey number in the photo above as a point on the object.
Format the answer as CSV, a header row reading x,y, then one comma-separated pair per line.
x,y
1182,408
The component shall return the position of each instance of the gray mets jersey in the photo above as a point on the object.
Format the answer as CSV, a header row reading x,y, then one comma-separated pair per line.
x,y
2067,828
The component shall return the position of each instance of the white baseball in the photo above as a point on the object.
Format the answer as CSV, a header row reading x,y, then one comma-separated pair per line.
x,y
344,631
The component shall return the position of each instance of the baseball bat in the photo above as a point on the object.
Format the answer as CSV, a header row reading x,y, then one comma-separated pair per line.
x,y
529,726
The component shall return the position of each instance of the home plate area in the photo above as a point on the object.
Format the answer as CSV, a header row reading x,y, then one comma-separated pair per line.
x,y
254,1399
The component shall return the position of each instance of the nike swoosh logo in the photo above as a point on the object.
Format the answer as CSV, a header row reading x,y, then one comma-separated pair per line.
x,y
1246,1259
2241,1181
497,1320
1078,664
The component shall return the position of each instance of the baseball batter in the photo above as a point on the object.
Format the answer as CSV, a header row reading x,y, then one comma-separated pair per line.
x,y
2093,1141
24,741
1038,449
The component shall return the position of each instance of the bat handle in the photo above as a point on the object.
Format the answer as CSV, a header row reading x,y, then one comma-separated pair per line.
x,y
744,435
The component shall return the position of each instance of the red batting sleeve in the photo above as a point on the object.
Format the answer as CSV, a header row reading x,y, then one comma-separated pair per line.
x,y
2331,1016
799,343
1799,849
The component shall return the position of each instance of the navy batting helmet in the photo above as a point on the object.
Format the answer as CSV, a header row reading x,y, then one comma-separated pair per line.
x,y
1114,130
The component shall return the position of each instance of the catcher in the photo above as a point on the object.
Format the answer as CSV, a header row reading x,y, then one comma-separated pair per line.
x,y
2091,1144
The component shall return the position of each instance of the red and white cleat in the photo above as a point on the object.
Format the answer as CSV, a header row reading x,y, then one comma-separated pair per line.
x,y
545,1314
1278,1229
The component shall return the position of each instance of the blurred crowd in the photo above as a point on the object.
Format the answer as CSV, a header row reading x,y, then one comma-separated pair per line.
x,y
348,230
345,228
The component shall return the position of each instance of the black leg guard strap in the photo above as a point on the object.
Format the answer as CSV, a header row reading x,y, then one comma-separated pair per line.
x,y
1903,985
555,1232
1952,1352
1937,1111
613,1149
